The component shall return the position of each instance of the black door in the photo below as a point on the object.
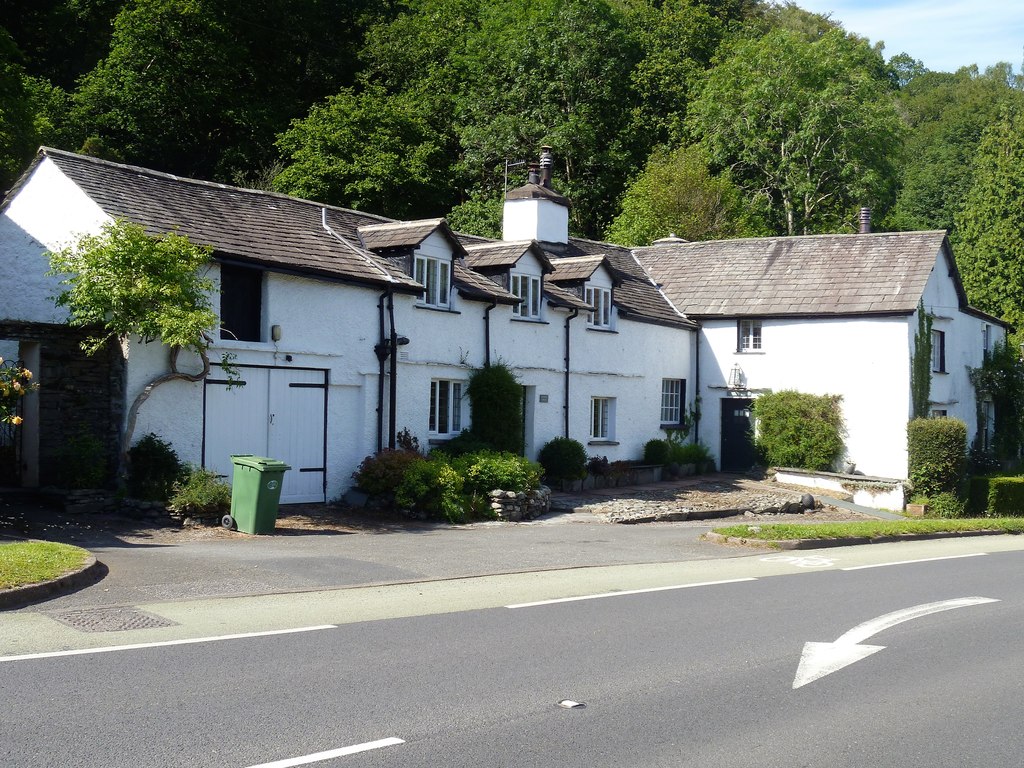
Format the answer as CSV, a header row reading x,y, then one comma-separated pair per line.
x,y
738,453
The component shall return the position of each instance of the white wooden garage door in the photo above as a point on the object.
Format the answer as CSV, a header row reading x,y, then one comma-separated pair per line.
x,y
275,412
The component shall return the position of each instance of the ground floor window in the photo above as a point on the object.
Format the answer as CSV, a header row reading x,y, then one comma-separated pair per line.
x,y
673,392
602,418
445,407
989,427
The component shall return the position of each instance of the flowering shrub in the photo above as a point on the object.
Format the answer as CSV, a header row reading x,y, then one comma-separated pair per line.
x,y
15,381
432,485
381,473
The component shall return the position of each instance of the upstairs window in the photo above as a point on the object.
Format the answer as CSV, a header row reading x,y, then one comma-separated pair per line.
x,y
601,300
445,407
939,351
435,277
986,338
241,303
749,333
527,288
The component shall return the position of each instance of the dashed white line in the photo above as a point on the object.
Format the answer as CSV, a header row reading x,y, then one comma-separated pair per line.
x,y
910,562
186,641
626,592
330,754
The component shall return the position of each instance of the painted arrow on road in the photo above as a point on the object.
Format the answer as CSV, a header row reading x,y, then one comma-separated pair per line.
x,y
820,659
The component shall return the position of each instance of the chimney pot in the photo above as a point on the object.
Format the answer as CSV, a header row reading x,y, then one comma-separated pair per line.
x,y
547,161
534,177
865,220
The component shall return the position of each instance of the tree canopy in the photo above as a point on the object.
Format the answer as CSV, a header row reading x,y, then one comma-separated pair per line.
x,y
415,108
808,128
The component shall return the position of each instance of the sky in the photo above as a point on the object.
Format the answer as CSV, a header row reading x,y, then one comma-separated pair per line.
x,y
944,34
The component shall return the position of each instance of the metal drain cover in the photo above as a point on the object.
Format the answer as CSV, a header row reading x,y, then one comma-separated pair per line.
x,y
110,619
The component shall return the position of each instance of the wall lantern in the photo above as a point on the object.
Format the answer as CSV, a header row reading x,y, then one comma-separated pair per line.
x,y
736,377
275,332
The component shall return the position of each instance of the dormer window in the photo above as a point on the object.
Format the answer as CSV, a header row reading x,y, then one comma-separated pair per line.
x,y
601,300
527,288
435,276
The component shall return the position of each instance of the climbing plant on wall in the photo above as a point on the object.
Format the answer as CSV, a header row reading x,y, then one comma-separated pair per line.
x,y
921,364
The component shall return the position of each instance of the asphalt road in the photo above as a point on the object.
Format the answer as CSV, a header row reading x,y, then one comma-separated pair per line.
x,y
698,672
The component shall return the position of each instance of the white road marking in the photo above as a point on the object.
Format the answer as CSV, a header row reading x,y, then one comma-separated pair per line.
x,y
186,641
801,561
318,756
909,562
626,592
820,659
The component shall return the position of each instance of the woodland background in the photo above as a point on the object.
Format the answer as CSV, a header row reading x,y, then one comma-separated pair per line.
x,y
702,118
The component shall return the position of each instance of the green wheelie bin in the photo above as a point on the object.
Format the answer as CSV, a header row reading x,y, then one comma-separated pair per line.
x,y
255,493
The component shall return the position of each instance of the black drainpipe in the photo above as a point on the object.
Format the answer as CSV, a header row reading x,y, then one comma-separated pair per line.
x,y
696,390
565,407
487,334
381,350
393,349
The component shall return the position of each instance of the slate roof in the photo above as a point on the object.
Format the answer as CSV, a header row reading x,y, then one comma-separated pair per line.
x,y
472,285
287,234
819,275
636,295
265,228
570,268
503,254
405,234
560,297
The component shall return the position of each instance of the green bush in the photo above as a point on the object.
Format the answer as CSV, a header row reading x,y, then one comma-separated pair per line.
x,y
690,453
945,505
433,486
799,430
381,473
937,455
656,452
563,459
496,406
463,443
83,461
1006,497
153,468
487,471
200,491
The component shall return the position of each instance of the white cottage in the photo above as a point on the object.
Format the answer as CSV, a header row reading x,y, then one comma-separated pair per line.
x,y
825,314
346,327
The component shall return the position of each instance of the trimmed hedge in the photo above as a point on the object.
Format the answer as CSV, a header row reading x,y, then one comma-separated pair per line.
x,y
796,429
996,497
563,459
937,457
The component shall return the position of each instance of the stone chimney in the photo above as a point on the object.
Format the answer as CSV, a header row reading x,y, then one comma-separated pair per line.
x,y
865,221
535,211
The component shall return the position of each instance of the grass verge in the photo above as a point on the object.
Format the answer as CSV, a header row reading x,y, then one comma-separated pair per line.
x,y
870,529
30,562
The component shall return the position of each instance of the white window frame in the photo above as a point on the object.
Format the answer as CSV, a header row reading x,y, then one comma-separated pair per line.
x,y
434,274
527,288
602,418
938,351
986,338
989,427
750,336
672,400
445,413
601,300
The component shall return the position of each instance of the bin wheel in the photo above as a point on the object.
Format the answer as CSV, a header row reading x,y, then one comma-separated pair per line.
x,y
228,522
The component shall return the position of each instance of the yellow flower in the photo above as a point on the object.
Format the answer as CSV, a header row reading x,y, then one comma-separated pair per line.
x,y
16,385
16,420
27,374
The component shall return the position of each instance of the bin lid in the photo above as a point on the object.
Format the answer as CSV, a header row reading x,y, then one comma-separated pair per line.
x,y
261,463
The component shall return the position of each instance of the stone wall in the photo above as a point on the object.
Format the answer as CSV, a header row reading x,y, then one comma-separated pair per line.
x,y
81,402
524,505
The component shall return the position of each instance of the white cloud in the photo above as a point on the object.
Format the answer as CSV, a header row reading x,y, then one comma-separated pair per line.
x,y
944,35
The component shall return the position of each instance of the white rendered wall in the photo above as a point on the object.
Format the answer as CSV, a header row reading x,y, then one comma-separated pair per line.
x,y
952,391
48,213
535,219
863,359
